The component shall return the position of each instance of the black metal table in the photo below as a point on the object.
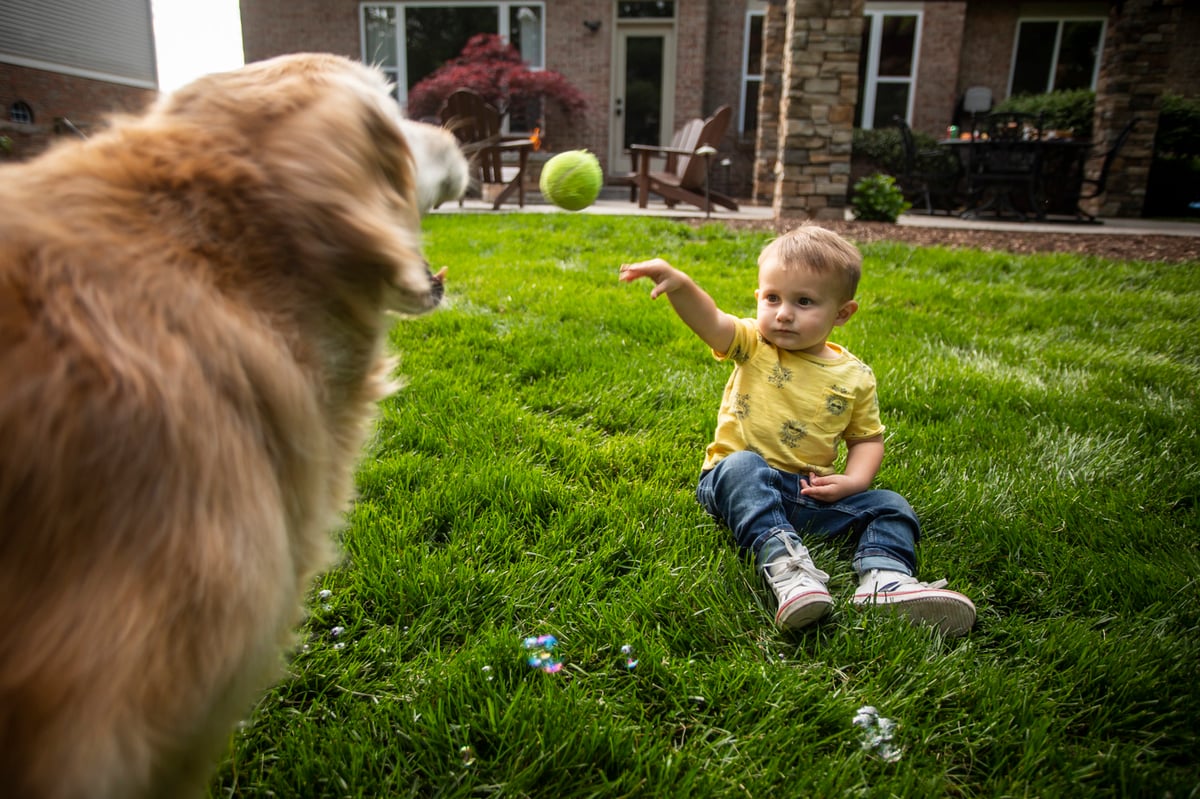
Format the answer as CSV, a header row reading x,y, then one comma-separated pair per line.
x,y
1051,185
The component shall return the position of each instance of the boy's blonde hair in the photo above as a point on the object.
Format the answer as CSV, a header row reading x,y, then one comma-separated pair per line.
x,y
818,249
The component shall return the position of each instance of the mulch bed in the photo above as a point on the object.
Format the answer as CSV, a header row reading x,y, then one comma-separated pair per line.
x,y
1116,246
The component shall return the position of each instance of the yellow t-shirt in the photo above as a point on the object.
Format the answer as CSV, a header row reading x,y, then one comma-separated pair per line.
x,y
790,407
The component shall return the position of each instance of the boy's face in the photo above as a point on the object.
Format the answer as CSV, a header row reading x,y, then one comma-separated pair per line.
x,y
798,308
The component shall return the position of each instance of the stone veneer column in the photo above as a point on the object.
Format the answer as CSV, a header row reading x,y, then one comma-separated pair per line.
x,y
819,88
766,144
1133,74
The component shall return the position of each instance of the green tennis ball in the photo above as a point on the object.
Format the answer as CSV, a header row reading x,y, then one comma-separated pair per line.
x,y
572,180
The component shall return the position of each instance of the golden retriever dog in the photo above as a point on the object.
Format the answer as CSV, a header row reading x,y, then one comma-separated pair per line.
x,y
193,307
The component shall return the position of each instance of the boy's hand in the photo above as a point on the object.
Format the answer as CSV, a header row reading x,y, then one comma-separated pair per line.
x,y
666,277
695,308
832,487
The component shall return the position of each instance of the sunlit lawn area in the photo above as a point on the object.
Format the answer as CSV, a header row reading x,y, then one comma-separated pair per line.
x,y
536,474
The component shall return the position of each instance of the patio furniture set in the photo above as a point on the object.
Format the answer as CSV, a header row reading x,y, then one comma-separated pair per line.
x,y
1007,165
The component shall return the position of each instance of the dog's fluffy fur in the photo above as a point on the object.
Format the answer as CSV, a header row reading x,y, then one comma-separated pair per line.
x,y
193,305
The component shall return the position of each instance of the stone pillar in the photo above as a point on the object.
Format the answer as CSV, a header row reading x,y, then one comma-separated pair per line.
x,y
766,144
818,91
1133,73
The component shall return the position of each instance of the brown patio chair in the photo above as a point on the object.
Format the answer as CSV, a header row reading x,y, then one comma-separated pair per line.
x,y
683,140
684,173
477,125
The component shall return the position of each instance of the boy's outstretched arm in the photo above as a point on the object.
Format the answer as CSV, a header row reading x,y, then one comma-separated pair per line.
x,y
697,310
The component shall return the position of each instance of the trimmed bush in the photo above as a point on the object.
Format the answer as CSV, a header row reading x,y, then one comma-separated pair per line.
x,y
877,198
1178,128
1060,110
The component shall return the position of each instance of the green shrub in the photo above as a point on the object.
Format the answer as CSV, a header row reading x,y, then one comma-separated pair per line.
x,y
881,147
877,198
1060,110
884,149
1178,128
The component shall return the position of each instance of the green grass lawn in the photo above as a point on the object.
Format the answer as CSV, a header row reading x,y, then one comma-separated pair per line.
x,y
536,474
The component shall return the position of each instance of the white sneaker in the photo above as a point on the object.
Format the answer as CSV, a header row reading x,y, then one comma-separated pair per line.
x,y
924,603
799,587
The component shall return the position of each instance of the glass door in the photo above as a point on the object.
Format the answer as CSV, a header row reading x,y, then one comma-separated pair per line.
x,y
643,99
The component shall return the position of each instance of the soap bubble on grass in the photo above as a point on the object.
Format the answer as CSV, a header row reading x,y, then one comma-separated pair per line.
x,y
540,653
877,734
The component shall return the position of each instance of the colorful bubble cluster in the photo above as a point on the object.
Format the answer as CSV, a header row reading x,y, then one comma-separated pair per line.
x,y
877,734
541,653
630,660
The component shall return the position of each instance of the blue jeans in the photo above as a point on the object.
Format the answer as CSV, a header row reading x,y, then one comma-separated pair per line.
x,y
761,504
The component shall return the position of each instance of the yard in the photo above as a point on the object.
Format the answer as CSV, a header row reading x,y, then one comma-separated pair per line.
x,y
535,477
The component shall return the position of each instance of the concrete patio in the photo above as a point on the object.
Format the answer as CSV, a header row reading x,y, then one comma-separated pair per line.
x,y
618,204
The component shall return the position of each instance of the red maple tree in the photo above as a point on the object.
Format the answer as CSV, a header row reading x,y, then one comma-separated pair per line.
x,y
493,69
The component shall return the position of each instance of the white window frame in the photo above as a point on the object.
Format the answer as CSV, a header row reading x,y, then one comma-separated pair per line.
x,y
398,73
877,11
1060,20
747,78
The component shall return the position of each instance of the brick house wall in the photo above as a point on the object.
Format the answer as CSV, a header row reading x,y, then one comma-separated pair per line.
x,y
585,59
723,86
937,89
275,27
53,95
989,32
1183,75
964,43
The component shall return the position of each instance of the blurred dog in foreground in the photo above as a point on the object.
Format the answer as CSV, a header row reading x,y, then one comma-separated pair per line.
x,y
193,307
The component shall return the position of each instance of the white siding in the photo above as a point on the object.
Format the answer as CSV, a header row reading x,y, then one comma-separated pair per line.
x,y
110,40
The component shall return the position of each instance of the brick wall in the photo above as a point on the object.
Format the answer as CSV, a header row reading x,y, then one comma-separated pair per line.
x,y
275,27
723,86
1183,76
53,95
937,68
989,31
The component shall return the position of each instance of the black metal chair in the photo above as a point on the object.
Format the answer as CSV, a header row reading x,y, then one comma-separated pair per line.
x,y
931,176
1006,163
1094,187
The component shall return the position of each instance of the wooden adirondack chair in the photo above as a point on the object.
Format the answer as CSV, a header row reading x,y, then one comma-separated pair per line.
x,y
684,173
477,125
683,140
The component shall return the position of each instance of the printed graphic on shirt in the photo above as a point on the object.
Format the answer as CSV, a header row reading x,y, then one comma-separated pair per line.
x,y
780,376
742,406
792,432
835,403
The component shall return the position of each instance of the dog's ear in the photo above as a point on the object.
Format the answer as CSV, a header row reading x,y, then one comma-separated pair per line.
x,y
442,173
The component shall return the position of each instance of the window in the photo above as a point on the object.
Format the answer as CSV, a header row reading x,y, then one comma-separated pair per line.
x,y
1056,54
411,40
21,113
887,66
646,9
752,71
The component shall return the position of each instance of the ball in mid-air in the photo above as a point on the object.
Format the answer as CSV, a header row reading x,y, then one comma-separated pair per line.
x,y
571,180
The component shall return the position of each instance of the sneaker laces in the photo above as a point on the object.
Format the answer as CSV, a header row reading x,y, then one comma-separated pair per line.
x,y
796,567
898,579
